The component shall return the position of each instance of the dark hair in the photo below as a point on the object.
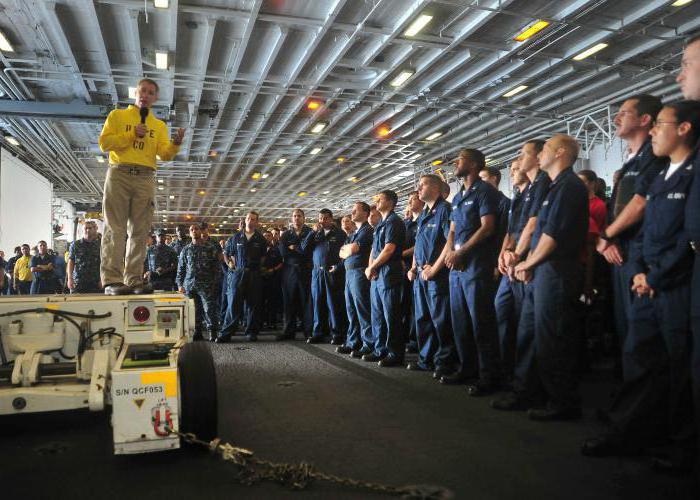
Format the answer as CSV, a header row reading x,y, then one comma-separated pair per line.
x,y
600,188
365,207
391,195
148,80
182,227
538,143
688,111
325,211
493,172
253,212
299,210
204,225
474,155
412,193
589,175
18,249
40,242
25,245
646,104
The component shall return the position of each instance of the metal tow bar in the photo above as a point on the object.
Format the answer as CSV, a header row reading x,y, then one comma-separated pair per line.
x,y
299,476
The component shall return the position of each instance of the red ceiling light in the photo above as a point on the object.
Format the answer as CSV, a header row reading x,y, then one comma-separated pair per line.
x,y
313,105
383,131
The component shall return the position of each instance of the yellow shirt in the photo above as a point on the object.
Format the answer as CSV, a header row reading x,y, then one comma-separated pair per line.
x,y
22,271
119,138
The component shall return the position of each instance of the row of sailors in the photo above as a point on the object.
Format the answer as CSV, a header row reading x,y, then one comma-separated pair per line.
x,y
541,260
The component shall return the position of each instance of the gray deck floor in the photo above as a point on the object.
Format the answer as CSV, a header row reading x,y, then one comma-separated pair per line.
x,y
292,402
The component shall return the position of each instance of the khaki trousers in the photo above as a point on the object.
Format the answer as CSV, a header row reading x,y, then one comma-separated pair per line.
x,y
127,208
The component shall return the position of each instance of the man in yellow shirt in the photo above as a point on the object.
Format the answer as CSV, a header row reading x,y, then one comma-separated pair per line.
x,y
22,274
133,137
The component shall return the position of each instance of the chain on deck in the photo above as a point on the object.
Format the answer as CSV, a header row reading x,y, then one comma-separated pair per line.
x,y
299,476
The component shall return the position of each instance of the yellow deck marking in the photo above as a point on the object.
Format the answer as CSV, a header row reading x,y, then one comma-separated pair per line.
x,y
168,379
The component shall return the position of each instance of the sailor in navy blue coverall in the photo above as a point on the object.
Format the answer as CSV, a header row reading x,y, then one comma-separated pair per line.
x,y
469,254
296,278
430,278
356,250
327,278
385,272
509,295
244,254
633,122
556,263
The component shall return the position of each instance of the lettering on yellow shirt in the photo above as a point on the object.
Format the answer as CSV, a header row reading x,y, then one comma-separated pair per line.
x,y
119,138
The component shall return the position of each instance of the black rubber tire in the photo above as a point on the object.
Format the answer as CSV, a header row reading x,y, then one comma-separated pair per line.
x,y
198,402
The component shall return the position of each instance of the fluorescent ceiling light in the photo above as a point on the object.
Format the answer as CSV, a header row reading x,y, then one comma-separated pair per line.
x,y
589,52
415,157
172,196
531,31
402,78
161,59
235,211
376,165
326,192
5,44
315,151
160,4
160,181
433,136
417,25
514,91
12,140
253,190
265,176
353,179
402,175
100,159
281,161
318,128
677,3
161,188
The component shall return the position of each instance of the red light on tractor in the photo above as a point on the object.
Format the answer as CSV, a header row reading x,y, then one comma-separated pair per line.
x,y
313,105
141,314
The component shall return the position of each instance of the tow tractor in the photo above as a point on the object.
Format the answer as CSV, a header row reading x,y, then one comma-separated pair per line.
x,y
131,353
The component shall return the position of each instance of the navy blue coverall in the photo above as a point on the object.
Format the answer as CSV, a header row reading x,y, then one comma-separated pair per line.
x,y
244,290
509,295
471,286
636,176
357,292
436,349
327,281
654,400
386,289
557,285
296,282
692,227
409,324
533,198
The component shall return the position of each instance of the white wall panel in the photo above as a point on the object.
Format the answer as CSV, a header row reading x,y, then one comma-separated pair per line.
x,y
25,204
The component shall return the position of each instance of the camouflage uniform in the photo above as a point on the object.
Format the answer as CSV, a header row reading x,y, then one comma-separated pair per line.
x,y
86,265
178,245
197,273
164,258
